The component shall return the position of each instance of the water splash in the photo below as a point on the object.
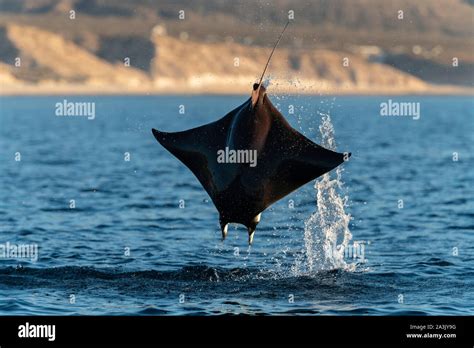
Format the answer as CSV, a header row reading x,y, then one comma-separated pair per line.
x,y
326,232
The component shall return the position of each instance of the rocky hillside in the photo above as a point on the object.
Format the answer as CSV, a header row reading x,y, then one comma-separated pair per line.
x,y
48,56
212,66
337,46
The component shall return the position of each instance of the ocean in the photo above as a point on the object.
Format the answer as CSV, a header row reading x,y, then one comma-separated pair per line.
x,y
96,218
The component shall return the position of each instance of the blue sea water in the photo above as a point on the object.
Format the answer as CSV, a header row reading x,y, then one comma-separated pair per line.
x,y
129,247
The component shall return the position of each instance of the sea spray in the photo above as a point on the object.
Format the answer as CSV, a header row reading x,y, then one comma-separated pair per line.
x,y
326,231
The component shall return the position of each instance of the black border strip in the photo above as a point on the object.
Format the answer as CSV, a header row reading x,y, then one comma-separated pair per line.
x,y
242,330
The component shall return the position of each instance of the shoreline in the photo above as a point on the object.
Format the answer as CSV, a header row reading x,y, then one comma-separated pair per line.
x,y
76,90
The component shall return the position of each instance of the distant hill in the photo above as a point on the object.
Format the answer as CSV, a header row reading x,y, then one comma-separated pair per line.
x,y
205,66
385,52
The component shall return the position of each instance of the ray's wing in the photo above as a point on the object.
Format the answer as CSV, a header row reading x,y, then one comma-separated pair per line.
x,y
300,160
197,149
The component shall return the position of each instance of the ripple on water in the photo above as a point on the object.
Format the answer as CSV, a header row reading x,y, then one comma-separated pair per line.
x,y
175,251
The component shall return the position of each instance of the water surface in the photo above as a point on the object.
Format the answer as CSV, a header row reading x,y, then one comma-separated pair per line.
x,y
128,248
